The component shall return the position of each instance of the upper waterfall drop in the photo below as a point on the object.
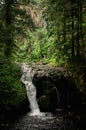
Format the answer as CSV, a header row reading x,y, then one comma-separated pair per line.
x,y
26,78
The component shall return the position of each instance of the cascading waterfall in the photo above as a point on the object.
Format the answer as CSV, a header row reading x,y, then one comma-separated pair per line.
x,y
26,78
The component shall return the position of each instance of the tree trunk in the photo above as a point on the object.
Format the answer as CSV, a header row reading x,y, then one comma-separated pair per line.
x,y
81,32
72,26
78,29
64,29
8,47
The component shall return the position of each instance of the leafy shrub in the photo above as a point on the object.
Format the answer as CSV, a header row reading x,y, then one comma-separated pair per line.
x,y
12,93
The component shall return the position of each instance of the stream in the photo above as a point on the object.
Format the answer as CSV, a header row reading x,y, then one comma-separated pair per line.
x,y
47,121
43,123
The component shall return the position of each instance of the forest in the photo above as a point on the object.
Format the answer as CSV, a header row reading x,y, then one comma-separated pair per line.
x,y
47,32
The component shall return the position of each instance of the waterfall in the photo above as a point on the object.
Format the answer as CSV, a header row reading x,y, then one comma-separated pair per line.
x,y
26,78
57,97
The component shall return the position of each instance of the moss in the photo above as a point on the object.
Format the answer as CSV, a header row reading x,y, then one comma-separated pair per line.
x,y
44,103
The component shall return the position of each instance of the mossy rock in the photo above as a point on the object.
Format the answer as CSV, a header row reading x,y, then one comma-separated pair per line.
x,y
44,103
53,80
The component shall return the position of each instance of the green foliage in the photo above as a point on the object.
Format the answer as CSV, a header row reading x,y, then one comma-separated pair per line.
x,y
12,93
42,47
65,20
50,42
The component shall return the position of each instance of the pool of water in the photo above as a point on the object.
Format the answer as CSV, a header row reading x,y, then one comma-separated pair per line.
x,y
45,121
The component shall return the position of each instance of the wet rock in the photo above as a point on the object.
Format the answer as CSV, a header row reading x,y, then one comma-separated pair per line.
x,y
58,86
44,103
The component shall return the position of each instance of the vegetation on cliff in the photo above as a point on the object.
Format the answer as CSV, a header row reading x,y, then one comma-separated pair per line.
x,y
12,92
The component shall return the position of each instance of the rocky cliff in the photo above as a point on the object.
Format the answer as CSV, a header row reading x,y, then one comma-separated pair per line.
x,y
55,88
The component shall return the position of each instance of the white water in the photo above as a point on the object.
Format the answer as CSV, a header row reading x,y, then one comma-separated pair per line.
x,y
26,78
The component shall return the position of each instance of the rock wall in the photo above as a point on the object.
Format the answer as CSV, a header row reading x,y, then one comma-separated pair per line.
x,y
55,88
